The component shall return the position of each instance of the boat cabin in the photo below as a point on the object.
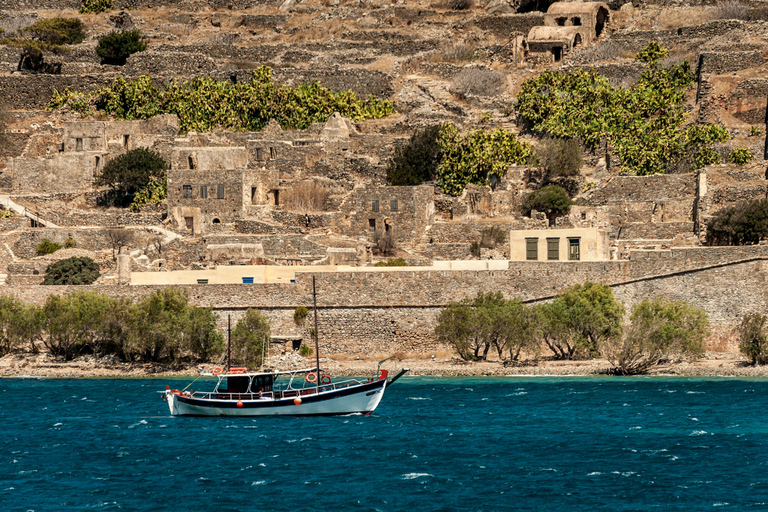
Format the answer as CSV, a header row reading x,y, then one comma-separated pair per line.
x,y
242,384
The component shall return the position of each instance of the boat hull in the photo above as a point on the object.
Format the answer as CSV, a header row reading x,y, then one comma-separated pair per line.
x,y
362,398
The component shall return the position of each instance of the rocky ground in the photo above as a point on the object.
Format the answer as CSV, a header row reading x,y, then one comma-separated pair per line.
x,y
44,365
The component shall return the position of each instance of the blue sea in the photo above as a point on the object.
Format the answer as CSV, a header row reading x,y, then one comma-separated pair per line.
x,y
447,444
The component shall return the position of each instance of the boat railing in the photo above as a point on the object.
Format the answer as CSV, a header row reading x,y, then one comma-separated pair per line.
x,y
280,393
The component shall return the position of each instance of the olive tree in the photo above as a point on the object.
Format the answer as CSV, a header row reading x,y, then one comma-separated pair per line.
x,y
659,332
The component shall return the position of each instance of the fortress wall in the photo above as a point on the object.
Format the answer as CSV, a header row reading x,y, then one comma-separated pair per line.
x,y
623,189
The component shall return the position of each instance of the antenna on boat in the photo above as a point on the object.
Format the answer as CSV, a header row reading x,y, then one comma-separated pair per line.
x,y
229,342
317,348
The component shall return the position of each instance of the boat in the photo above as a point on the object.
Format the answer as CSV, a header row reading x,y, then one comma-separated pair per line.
x,y
306,392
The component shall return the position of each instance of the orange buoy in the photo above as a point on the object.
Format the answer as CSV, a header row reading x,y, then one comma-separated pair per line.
x,y
239,403
217,370
297,400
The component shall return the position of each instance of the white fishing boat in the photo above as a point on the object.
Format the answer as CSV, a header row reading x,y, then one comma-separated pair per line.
x,y
307,392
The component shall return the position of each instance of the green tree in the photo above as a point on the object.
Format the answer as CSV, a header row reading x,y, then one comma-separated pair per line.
x,y
742,224
10,310
117,46
250,339
132,171
417,161
659,332
477,157
578,320
48,35
753,341
474,326
551,200
75,270
72,323
157,326
201,335
300,315
643,122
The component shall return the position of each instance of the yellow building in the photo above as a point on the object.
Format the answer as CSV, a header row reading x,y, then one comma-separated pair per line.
x,y
590,244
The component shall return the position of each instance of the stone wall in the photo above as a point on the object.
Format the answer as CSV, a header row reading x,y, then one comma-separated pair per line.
x,y
380,312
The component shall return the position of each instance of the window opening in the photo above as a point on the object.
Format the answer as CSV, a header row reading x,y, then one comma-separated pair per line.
x,y
79,144
375,205
191,161
216,221
531,248
187,191
189,222
126,138
574,251
254,194
259,154
219,191
553,248
203,191
393,205
372,224
576,21
272,153
557,53
560,21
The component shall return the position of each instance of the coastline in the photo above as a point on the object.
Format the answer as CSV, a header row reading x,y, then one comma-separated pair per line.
x,y
714,364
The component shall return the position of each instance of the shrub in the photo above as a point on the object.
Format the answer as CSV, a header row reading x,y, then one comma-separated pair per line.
x,y
552,200
560,157
753,342
310,196
117,46
69,243
47,247
478,81
659,332
156,191
305,350
742,224
300,315
392,262
477,156
754,131
250,339
93,6
132,171
73,271
55,31
417,161
580,319
204,104
118,236
740,156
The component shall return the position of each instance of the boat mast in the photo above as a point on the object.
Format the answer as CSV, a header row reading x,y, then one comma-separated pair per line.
x,y
229,342
317,348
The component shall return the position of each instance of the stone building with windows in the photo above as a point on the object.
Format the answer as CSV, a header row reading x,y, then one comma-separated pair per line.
x,y
586,244
405,212
567,25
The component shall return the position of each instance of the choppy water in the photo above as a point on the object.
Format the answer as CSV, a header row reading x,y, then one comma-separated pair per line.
x,y
433,444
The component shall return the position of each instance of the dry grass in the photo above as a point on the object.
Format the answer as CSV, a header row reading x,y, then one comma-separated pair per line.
x,y
731,10
478,82
386,64
308,196
459,54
